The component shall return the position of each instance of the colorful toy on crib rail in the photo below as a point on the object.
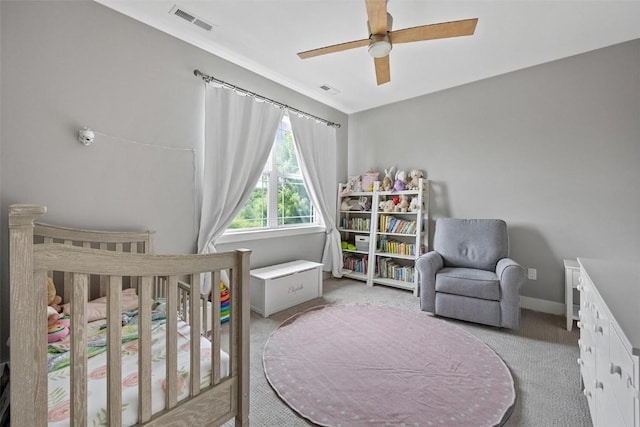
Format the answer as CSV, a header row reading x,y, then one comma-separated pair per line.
x,y
225,303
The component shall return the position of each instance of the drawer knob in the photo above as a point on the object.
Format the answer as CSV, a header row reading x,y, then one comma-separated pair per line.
x,y
598,385
634,391
615,369
579,324
587,393
580,287
598,329
580,362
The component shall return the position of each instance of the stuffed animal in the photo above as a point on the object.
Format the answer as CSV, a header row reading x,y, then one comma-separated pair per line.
x,y
399,183
403,205
387,206
344,205
387,181
53,300
398,186
57,325
354,184
359,204
414,179
414,206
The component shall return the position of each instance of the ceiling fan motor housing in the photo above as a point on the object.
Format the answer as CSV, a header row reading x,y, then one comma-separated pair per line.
x,y
379,46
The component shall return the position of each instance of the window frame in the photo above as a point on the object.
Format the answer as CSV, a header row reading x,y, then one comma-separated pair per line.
x,y
273,230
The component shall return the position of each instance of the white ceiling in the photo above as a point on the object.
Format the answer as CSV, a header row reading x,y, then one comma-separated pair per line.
x,y
265,35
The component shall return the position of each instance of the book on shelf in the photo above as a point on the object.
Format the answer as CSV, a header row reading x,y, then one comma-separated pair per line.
x,y
392,224
356,264
387,268
356,224
395,247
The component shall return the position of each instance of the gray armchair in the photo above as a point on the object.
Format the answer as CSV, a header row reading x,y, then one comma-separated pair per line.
x,y
468,275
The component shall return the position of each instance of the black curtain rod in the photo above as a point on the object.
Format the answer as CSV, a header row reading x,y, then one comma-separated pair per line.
x,y
226,85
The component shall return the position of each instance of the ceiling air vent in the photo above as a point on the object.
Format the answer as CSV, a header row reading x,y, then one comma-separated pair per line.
x,y
330,90
187,16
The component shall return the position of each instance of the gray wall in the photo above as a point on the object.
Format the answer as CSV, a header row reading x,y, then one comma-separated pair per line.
x,y
554,150
66,65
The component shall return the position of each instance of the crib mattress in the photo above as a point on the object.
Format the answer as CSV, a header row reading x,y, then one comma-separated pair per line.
x,y
59,384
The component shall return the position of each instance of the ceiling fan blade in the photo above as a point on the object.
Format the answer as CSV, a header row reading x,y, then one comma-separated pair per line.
x,y
383,73
333,48
377,14
465,27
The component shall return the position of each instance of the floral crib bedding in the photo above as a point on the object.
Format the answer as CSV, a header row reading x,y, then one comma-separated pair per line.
x,y
59,391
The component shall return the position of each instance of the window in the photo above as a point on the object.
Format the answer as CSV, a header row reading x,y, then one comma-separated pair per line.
x,y
280,198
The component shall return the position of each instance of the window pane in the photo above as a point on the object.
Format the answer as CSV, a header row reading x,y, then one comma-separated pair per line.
x,y
254,213
286,161
294,204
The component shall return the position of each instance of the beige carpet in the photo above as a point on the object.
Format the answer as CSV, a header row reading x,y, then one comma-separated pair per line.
x,y
541,356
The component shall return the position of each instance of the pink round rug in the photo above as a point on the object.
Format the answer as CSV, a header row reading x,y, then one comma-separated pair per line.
x,y
347,365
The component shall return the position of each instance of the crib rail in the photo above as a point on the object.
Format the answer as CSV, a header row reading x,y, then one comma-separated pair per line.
x,y
118,241
30,265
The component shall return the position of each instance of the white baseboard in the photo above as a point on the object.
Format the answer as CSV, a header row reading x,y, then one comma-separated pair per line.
x,y
542,305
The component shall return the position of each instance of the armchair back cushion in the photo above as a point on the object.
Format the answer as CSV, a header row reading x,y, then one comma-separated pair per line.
x,y
471,243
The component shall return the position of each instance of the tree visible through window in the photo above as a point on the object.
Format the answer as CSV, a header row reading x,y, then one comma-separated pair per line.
x,y
280,198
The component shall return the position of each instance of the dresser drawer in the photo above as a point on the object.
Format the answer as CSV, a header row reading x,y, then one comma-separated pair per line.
x,y
621,374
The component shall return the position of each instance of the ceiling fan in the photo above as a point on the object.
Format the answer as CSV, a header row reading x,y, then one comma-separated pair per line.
x,y
382,38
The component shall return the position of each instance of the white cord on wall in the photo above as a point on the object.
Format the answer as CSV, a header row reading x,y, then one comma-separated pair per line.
x,y
87,136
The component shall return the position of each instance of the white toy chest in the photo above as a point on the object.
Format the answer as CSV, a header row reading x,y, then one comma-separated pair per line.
x,y
281,286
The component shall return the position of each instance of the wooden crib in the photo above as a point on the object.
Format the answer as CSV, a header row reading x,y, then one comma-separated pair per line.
x,y
86,264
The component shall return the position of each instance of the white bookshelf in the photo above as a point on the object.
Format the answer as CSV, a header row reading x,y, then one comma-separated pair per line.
x,y
391,264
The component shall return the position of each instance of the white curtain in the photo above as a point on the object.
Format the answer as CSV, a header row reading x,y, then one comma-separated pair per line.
x,y
316,145
239,134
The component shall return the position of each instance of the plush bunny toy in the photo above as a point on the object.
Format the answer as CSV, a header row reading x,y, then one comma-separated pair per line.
x,y
387,181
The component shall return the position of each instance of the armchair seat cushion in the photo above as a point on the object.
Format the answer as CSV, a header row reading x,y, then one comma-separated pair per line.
x,y
469,282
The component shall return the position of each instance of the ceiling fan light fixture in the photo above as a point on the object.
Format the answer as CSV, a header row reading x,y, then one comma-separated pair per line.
x,y
380,45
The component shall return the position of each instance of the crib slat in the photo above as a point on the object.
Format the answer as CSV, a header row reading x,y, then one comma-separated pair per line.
x,y
172,345
205,319
114,356
67,280
40,353
215,327
183,299
79,349
233,324
240,322
103,279
194,315
118,247
134,281
144,349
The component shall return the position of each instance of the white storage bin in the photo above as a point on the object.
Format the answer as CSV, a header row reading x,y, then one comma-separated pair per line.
x,y
281,286
362,243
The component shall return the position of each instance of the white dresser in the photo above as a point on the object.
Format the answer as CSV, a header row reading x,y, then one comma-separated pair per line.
x,y
609,322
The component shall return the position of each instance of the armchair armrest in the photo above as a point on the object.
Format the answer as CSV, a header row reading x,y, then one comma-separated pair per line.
x,y
427,266
512,277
